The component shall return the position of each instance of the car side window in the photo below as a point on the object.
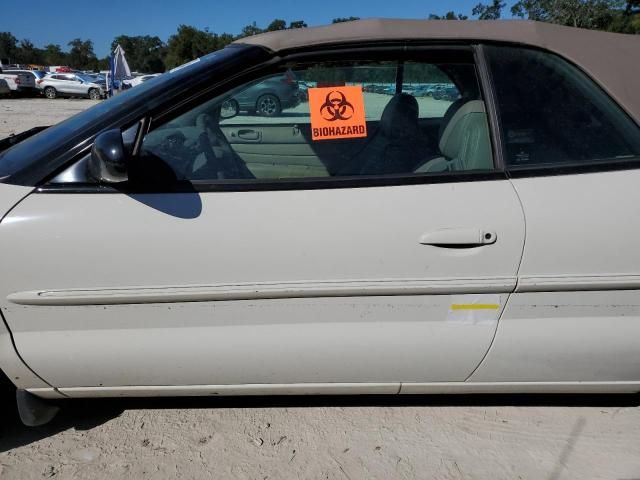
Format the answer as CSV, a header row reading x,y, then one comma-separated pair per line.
x,y
332,119
552,114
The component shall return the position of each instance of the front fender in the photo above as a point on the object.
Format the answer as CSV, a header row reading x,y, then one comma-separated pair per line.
x,y
10,362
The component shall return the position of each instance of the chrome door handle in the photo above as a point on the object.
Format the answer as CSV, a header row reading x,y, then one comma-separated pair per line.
x,y
459,237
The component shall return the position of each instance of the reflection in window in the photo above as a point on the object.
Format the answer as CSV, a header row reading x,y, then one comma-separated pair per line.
x,y
420,118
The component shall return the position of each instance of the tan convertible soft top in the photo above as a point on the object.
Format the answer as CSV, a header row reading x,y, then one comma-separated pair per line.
x,y
612,59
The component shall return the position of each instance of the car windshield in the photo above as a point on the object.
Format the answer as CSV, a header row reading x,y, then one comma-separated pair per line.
x,y
35,151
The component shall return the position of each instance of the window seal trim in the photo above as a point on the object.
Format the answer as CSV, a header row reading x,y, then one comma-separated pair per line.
x,y
489,96
360,181
572,168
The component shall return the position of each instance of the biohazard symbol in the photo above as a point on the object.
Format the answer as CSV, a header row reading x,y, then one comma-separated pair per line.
x,y
328,104
336,107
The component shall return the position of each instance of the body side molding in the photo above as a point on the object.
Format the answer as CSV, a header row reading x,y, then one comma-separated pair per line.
x,y
264,290
564,283
391,388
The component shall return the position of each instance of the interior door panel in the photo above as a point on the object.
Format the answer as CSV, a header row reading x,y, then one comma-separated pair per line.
x,y
285,150
275,151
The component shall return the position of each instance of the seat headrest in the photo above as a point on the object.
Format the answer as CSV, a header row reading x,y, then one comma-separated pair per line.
x,y
453,108
400,117
449,141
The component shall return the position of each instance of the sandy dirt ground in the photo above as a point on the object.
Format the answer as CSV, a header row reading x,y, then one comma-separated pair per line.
x,y
425,437
18,115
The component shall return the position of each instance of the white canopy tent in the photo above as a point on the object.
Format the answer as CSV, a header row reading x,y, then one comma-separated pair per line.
x,y
119,69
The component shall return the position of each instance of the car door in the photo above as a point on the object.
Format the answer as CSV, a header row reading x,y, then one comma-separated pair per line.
x,y
76,85
232,283
62,84
573,153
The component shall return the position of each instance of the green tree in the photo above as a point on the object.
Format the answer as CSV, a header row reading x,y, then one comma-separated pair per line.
x,y
277,24
344,19
633,7
448,16
297,24
628,20
53,55
28,53
594,14
104,63
144,53
187,44
224,39
250,30
8,46
491,11
81,55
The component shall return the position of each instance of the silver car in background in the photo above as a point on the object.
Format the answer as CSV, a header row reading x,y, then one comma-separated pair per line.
x,y
71,85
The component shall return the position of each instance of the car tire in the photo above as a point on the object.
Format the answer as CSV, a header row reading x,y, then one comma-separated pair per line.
x,y
268,106
94,94
50,92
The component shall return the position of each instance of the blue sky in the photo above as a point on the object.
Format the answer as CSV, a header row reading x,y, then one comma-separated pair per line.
x,y
102,21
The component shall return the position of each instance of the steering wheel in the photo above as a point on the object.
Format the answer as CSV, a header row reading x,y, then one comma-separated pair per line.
x,y
221,160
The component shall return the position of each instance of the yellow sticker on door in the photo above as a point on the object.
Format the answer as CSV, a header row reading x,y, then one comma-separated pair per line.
x,y
337,112
480,309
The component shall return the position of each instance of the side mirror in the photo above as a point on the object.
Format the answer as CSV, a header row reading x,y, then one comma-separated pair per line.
x,y
108,161
229,108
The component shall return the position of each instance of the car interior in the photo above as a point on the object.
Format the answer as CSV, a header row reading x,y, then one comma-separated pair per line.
x,y
406,134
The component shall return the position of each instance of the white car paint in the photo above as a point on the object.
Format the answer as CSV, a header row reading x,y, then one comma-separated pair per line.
x,y
10,195
380,333
12,365
575,315
19,81
391,324
566,337
334,290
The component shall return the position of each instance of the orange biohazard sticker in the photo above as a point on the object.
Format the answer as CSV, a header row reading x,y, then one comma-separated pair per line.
x,y
337,112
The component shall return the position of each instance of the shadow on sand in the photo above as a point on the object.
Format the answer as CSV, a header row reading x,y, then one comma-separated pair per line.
x,y
87,414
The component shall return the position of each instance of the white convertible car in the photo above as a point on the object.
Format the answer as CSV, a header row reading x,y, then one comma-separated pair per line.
x,y
367,240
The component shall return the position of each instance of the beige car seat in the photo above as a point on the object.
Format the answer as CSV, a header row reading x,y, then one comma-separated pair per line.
x,y
465,142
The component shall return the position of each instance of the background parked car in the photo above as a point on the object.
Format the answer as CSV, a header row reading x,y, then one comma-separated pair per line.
x,y
408,88
303,91
36,74
135,81
19,82
269,97
424,90
4,87
97,78
449,93
71,85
